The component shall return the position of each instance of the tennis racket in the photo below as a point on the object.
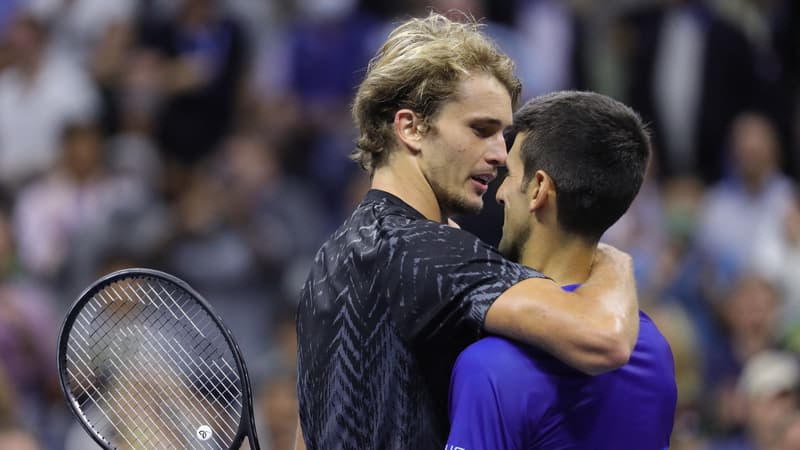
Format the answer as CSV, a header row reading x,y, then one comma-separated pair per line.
x,y
145,363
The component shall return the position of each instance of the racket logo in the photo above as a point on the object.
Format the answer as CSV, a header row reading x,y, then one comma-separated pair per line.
x,y
204,433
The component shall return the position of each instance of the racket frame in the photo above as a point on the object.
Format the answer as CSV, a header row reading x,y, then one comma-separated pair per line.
x,y
247,427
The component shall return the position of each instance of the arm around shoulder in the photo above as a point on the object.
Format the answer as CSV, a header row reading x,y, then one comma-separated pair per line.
x,y
593,330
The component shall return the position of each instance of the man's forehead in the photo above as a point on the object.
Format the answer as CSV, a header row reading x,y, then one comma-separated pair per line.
x,y
483,97
515,148
485,119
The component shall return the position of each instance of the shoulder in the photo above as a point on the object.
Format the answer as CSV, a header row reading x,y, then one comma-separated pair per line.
x,y
442,260
404,228
495,347
402,224
652,351
498,359
649,332
498,373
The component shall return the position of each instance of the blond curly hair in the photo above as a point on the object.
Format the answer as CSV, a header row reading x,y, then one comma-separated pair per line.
x,y
419,68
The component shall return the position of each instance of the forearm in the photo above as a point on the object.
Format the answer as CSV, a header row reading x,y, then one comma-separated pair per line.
x,y
593,330
611,296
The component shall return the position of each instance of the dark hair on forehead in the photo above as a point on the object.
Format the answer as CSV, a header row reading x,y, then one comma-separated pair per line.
x,y
595,149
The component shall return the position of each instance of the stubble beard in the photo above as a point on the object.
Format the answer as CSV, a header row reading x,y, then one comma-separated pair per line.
x,y
455,203
512,246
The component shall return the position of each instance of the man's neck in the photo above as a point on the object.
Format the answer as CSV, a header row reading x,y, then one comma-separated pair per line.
x,y
404,180
564,258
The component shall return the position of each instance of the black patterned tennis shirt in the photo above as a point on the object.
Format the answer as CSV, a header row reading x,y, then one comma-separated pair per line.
x,y
390,302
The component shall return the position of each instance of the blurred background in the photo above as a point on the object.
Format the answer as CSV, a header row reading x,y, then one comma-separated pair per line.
x,y
209,139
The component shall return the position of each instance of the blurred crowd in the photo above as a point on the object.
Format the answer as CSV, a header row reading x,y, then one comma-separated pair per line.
x,y
210,139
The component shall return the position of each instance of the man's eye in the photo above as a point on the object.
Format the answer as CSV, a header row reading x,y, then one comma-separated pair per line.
x,y
482,131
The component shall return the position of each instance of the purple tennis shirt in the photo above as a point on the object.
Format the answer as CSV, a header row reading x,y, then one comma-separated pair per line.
x,y
505,395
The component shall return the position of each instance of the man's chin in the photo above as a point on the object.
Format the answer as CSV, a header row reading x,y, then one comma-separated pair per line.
x,y
510,252
462,207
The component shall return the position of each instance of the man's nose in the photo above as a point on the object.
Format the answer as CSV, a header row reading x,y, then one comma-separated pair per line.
x,y
500,193
497,153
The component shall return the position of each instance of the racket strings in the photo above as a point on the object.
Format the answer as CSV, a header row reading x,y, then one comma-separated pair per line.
x,y
125,408
149,367
155,351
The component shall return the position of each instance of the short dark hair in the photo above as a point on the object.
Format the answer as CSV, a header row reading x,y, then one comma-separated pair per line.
x,y
595,149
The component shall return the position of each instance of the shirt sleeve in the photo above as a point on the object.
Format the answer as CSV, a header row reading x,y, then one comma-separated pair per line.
x,y
484,412
444,280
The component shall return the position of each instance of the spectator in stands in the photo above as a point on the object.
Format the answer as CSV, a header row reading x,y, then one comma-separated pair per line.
x,y
690,72
754,194
281,216
66,222
769,389
39,94
28,383
206,54
337,39
776,255
747,326
771,27
245,235
79,26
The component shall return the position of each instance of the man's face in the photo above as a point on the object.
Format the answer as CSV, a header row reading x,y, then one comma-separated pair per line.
x,y
465,145
24,39
754,148
83,152
513,195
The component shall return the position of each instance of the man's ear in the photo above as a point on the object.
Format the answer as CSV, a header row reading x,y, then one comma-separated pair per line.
x,y
540,189
407,126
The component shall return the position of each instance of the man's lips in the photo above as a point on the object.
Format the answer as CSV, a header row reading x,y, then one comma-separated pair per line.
x,y
481,182
484,179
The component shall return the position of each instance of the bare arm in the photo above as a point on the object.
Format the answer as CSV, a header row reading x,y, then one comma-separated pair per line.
x,y
593,329
299,443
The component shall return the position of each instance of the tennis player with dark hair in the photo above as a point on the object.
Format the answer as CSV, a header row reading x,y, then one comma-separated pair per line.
x,y
576,164
395,294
